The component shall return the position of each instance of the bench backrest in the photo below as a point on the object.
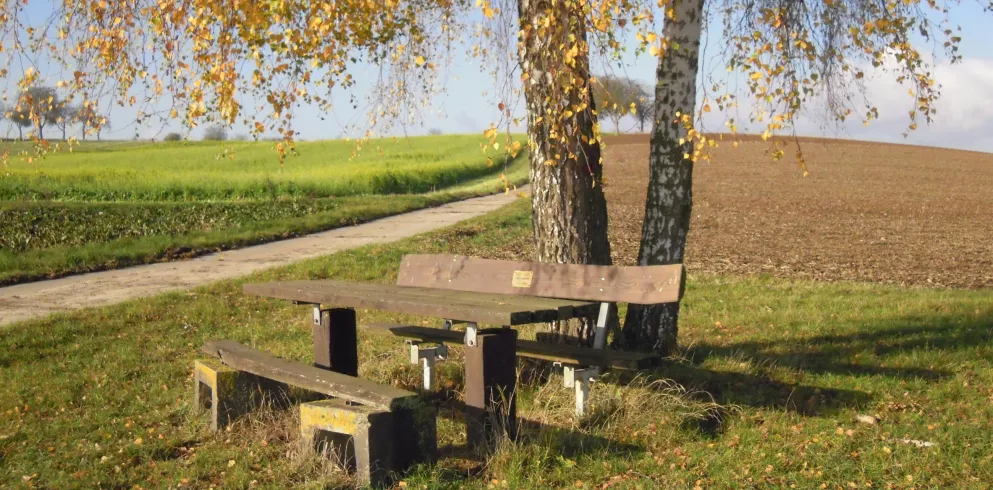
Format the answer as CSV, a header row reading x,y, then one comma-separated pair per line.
x,y
640,285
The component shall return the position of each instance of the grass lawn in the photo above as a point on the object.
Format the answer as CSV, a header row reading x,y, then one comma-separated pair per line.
x,y
185,171
764,394
110,205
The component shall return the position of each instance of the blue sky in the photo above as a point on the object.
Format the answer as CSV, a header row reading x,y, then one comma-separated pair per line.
x,y
964,119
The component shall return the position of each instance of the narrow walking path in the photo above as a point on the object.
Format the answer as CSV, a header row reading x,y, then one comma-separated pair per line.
x,y
31,300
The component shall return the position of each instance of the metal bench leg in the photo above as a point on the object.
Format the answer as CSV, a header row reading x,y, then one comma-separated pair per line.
x,y
600,334
579,379
568,376
490,380
426,357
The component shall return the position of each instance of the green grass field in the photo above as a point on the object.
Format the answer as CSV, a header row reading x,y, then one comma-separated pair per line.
x,y
189,171
108,205
764,393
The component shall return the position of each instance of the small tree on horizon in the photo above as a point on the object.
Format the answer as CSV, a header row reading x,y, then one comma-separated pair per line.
x,y
68,116
20,118
616,97
644,103
90,120
37,107
215,133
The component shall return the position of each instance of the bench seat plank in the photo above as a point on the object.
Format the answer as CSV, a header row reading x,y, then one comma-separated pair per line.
x,y
247,359
498,309
566,354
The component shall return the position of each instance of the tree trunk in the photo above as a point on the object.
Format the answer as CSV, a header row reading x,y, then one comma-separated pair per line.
x,y
569,211
617,125
20,133
667,209
41,131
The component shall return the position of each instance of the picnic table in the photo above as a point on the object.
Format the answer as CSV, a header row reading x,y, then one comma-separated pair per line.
x,y
490,353
387,428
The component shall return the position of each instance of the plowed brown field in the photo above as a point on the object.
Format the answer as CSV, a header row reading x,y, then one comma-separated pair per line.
x,y
866,212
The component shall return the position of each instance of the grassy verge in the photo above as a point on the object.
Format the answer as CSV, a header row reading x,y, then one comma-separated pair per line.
x,y
43,240
765,393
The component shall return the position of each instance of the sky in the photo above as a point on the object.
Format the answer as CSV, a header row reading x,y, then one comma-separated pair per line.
x,y
469,104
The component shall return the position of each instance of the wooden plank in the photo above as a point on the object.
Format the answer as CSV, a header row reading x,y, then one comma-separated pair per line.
x,y
476,307
336,342
567,354
566,308
244,358
490,380
640,285
394,300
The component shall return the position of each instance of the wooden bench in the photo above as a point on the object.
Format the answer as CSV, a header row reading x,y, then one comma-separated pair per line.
x,y
376,428
604,284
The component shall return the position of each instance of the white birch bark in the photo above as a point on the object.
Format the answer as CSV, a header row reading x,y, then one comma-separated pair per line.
x,y
667,209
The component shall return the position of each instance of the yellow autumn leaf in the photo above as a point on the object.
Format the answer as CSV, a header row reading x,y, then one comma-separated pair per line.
x,y
419,60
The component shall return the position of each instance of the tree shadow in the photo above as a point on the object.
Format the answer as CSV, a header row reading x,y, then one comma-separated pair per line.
x,y
835,354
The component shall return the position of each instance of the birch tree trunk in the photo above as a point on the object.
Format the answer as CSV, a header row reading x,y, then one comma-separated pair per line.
x,y
569,211
667,209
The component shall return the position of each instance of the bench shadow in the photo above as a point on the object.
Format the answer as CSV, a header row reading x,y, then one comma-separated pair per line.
x,y
567,442
728,388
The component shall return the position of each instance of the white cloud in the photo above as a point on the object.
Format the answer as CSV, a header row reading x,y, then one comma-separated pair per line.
x,y
964,118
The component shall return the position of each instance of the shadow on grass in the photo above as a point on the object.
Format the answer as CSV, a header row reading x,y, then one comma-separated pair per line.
x,y
834,354
860,353
729,388
564,441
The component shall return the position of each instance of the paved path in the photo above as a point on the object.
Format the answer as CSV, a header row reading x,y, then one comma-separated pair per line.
x,y
25,301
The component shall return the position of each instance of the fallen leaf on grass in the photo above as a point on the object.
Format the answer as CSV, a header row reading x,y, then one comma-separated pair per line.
x,y
915,442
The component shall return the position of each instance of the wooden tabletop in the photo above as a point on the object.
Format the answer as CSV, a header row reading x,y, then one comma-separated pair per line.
x,y
502,309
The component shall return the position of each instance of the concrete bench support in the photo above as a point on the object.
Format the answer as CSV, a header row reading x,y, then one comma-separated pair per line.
x,y
389,429
228,393
360,437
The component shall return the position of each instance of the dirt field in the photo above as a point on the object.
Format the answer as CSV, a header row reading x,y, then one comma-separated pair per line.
x,y
866,212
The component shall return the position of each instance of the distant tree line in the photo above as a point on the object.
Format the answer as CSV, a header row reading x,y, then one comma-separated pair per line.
x,y
617,97
38,108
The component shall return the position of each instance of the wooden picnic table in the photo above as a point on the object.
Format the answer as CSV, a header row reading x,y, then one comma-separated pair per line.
x,y
500,309
490,354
